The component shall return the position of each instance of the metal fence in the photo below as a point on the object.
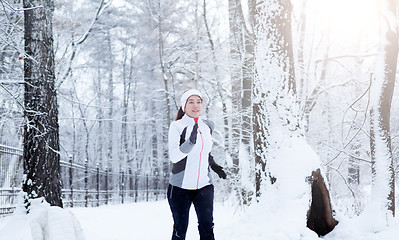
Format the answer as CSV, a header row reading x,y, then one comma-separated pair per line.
x,y
10,177
83,186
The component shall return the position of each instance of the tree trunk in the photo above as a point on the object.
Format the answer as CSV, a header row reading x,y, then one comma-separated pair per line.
x,y
353,165
163,67
217,79
274,85
112,164
236,63
381,97
248,74
99,153
127,77
246,101
276,115
41,130
301,49
241,75
154,165
165,164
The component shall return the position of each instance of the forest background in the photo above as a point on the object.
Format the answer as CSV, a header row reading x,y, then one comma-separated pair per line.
x,y
121,67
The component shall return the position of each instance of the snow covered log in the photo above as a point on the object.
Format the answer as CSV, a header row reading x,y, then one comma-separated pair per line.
x,y
320,217
43,222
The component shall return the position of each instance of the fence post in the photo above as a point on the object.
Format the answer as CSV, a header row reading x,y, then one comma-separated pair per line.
x,y
135,185
71,179
156,185
122,184
86,183
130,183
147,185
165,183
106,185
98,184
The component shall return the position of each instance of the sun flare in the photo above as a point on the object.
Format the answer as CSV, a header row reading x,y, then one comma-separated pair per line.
x,y
351,19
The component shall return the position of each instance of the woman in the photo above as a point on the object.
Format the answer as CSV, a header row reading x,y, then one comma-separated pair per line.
x,y
190,144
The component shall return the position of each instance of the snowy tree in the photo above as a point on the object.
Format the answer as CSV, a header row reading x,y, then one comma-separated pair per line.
x,y
41,136
241,73
383,195
11,72
275,110
278,132
339,46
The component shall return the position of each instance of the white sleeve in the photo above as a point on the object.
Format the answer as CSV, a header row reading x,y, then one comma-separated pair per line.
x,y
175,154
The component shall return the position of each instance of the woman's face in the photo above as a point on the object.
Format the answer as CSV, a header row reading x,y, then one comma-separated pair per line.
x,y
193,106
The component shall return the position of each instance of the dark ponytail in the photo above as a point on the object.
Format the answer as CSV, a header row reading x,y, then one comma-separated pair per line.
x,y
180,114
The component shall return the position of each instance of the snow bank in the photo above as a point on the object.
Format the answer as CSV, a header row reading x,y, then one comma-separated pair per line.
x,y
153,221
44,222
365,227
283,205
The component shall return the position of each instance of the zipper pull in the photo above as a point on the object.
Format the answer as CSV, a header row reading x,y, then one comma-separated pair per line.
x,y
196,121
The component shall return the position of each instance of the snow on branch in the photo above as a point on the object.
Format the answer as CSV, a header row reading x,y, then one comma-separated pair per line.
x,y
100,10
9,92
18,9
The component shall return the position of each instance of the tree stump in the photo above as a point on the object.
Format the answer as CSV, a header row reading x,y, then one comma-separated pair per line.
x,y
320,217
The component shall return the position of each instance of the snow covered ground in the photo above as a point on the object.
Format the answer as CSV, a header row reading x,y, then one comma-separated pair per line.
x,y
142,221
153,221
279,215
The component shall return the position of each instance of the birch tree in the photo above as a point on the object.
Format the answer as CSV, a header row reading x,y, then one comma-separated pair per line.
x,y
41,136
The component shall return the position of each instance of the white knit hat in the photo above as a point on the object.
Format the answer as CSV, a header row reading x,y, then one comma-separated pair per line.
x,y
186,95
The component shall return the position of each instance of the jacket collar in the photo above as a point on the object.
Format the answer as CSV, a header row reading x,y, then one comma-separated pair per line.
x,y
189,120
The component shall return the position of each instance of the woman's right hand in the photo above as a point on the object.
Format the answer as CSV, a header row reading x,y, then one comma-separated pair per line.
x,y
193,136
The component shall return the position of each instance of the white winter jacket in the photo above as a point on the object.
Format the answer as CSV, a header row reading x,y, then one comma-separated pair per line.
x,y
190,164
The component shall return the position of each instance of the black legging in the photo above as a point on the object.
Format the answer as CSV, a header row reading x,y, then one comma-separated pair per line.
x,y
180,201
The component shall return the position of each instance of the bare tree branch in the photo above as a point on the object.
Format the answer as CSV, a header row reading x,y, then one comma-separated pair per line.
x,y
83,38
17,9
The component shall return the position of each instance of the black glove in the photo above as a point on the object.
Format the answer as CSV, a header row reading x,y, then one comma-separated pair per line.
x,y
219,170
216,168
193,136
